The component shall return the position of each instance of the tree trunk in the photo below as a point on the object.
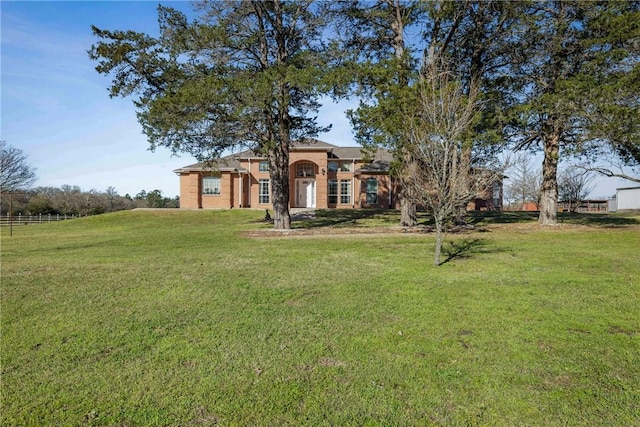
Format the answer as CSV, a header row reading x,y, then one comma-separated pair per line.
x,y
281,217
408,212
549,191
439,239
465,182
279,174
408,216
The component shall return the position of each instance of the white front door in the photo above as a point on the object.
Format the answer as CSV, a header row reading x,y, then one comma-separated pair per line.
x,y
305,193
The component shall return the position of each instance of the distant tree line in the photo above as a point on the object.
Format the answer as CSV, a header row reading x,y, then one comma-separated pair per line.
x,y
72,200
17,176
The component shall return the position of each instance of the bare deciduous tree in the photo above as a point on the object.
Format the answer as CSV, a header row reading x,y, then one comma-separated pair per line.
x,y
439,173
15,172
574,185
524,181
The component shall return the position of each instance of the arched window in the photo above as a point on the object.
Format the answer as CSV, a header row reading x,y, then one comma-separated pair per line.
x,y
305,169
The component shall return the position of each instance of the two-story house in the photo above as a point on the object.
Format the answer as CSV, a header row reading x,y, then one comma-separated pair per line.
x,y
321,175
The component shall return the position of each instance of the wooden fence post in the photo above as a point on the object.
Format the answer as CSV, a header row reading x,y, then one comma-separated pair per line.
x,y
10,213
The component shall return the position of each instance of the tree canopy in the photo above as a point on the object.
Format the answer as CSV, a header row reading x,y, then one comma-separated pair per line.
x,y
374,39
578,85
243,74
391,41
558,76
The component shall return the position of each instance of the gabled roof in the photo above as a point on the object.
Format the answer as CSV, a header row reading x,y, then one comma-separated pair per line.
x,y
225,164
307,144
381,162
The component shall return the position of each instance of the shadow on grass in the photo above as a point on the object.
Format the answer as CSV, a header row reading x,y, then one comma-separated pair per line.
x,y
603,219
460,249
347,218
612,220
360,218
500,217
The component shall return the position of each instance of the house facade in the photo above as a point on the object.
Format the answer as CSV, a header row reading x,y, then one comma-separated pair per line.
x,y
321,175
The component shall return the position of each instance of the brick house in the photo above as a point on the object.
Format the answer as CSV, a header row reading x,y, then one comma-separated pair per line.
x,y
322,175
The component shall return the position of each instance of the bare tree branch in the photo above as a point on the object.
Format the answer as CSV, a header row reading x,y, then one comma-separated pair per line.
x,y
439,172
524,181
15,172
610,173
574,185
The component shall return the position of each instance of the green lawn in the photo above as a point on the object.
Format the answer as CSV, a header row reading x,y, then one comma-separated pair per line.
x,y
193,318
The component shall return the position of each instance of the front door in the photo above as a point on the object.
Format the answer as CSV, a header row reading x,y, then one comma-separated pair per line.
x,y
305,193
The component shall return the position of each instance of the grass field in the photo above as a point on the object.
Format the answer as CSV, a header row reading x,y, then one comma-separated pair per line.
x,y
196,318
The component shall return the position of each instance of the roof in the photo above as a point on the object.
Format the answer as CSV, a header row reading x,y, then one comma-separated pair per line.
x,y
377,166
312,144
231,163
225,164
349,153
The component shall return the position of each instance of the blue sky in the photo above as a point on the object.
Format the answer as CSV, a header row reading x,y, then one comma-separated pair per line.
x,y
55,106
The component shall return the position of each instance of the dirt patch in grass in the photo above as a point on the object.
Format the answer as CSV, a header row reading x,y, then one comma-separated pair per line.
x,y
359,231
205,418
618,330
558,381
330,362
328,231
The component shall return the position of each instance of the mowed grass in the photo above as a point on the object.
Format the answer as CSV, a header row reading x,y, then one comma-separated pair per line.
x,y
197,318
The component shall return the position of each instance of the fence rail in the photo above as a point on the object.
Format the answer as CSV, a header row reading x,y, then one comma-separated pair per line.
x,y
6,220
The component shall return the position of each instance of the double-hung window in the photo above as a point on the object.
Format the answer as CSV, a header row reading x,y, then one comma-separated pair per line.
x,y
211,185
345,191
372,191
333,191
263,191
263,166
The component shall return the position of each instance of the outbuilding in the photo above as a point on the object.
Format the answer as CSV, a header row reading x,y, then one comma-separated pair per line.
x,y
628,199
